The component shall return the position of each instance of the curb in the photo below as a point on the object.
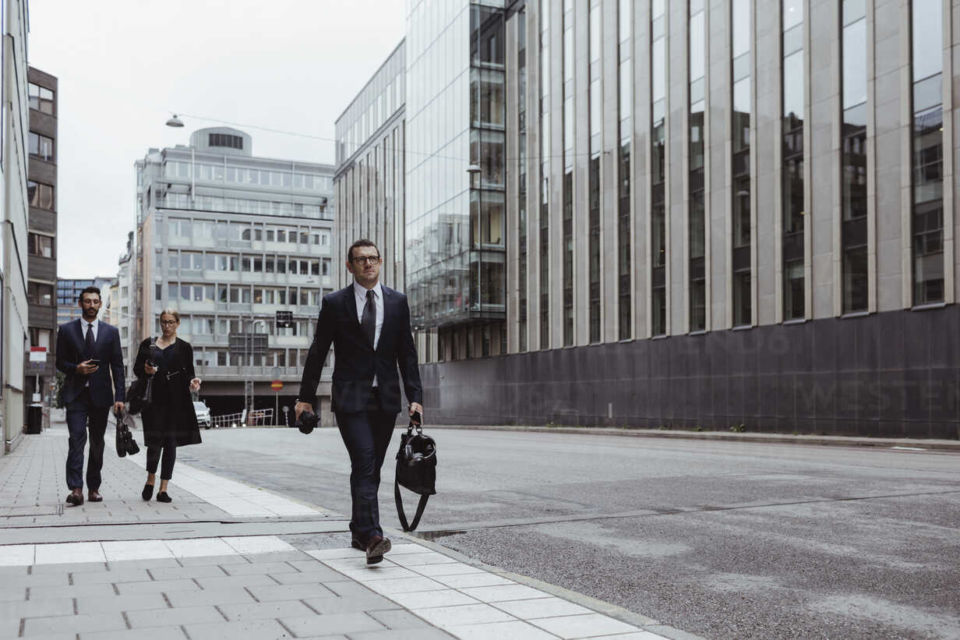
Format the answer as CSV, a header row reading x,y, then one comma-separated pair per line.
x,y
907,444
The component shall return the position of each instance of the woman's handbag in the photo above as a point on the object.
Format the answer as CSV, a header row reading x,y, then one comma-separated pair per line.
x,y
125,442
136,395
416,470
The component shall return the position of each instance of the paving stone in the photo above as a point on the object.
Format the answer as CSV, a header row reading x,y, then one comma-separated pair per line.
x,y
175,616
322,574
336,604
289,592
121,603
53,636
36,608
398,619
72,567
155,633
220,560
427,633
14,571
9,627
157,586
241,630
74,624
40,580
75,591
215,597
186,573
513,630
276,556
347,623
258,568
151,564
116,576
349,589
265,610
8,594
223,582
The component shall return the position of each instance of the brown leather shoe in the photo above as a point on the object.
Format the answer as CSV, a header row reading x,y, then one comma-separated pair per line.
x,y
377,546
75,497
94,496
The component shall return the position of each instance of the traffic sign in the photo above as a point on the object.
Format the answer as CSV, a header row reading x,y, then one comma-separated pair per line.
x,y
276,385
284,319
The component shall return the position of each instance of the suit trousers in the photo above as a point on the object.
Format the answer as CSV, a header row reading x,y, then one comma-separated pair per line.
x,y
366,435
81,416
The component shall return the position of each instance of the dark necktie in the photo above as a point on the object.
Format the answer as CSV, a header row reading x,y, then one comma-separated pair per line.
x,y
88,342
368,322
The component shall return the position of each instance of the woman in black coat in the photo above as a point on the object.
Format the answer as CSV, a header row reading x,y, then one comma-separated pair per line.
x,y
169,421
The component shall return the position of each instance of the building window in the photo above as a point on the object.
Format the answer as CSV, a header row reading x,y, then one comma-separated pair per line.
x,y
40,293
40,245
40,195
41,99
593,177
624,246
741,12
791,180
696,228
41,147
658,218
927,152
225,140
544,213
853,234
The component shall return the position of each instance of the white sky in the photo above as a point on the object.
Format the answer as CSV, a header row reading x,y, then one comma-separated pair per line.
x,y
125,65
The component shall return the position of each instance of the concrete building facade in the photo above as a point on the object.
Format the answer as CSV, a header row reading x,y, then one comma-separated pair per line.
x,y
39,367
229,239
14,220
716,213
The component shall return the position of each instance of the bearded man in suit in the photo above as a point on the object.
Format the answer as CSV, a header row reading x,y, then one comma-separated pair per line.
x,y
369,327
88,351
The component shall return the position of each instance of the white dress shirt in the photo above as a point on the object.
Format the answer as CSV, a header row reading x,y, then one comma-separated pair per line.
x,y
83,328
360,293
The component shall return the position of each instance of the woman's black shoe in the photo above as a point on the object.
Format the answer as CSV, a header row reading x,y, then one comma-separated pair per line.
x,y
163,497
147,492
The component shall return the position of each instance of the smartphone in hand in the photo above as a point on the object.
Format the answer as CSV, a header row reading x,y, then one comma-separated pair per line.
x,y
93,362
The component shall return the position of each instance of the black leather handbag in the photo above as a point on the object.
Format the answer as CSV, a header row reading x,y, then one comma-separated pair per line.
x,y
416,471
125,442
136,394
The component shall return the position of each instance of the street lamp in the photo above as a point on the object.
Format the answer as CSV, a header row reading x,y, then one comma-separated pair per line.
x,y
175,122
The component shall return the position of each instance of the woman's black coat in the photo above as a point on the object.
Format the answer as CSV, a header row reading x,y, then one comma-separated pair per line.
x,y
173,413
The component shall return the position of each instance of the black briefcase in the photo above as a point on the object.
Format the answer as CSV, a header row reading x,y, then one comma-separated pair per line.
x,y
416,471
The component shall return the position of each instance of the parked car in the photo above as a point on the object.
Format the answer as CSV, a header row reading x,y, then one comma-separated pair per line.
x,y
203,415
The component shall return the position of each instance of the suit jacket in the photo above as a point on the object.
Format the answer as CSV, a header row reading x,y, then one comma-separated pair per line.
x,y
356,360
71,351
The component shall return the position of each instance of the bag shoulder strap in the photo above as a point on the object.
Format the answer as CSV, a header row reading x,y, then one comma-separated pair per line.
x,y
400,514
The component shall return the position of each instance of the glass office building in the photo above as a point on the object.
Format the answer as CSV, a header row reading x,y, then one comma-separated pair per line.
x,y
709,213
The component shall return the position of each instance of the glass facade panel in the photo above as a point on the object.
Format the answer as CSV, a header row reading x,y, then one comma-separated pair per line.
x,y
926,220
854,158
624,240
544,212
741,36
522,160
695,179
791,149
658,219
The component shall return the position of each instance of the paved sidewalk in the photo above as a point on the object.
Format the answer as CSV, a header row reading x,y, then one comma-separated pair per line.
x,y
229,560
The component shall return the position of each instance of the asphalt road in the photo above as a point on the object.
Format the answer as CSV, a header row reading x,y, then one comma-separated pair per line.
x,y
722,540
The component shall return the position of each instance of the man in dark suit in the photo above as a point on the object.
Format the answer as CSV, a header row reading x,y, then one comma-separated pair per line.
x,y
82,347
369,326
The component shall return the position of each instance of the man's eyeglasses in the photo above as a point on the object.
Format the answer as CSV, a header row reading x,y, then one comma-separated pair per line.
x,y
365,259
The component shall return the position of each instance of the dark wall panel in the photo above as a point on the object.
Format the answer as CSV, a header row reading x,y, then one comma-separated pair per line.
x,y
888,374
